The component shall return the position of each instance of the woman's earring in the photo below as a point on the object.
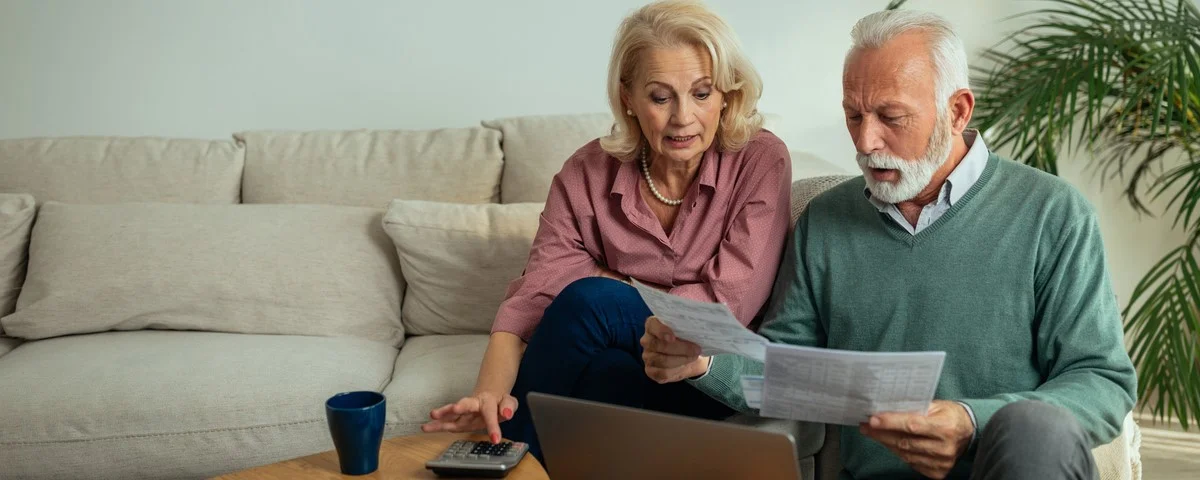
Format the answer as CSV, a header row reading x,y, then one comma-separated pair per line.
x,y
724,105
629,112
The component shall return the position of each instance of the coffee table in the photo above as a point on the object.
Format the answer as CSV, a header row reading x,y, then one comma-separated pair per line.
x,y
399,457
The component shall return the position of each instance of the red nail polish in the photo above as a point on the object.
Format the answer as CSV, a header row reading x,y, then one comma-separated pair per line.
x,y
508,413
495,438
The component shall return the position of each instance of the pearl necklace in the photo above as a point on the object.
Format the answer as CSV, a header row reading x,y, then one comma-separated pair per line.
x,y
650,183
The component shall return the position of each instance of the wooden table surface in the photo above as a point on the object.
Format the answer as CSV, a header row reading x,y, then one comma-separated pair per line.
x,y
400,457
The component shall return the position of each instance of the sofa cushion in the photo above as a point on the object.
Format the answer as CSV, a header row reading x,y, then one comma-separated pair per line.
x,y
458,260
16,220
8,344
535,148
371,167
273,269
174,404
122,169
430,372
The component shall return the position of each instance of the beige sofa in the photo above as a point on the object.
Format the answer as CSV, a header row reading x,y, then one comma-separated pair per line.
x,y
183,307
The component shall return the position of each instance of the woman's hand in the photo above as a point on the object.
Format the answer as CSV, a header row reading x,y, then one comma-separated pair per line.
x,y
483,410
668,358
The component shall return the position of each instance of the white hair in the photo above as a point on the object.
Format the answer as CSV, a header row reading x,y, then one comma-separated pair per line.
x,y
947,51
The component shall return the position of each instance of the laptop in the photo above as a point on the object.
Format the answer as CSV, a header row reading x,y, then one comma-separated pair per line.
x,y
589,440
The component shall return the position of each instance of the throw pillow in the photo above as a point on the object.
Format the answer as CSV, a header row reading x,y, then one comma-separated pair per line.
x,y
458,260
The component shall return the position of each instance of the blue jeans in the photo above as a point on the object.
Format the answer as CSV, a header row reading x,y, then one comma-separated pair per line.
x,y
587,346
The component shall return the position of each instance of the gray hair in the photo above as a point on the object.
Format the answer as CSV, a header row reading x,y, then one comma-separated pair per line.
x,y
949,55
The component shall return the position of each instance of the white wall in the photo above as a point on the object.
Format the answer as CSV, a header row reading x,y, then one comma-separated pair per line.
x,y
209,68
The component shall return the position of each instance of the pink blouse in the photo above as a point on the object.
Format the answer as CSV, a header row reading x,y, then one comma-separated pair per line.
x,y
725,245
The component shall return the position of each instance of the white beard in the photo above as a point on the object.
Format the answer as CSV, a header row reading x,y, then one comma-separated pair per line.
x,y
916,174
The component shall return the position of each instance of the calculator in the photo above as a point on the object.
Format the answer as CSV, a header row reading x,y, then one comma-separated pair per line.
x,y
466,458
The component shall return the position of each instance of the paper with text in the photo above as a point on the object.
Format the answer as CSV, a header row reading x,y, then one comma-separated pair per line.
x,y
846,387
752,389
712,326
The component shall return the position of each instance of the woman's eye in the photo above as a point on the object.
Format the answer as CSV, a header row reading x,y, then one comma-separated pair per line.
x,y
658,100
702,95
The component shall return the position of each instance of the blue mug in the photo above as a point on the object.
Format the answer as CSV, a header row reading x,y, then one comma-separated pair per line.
x,y
356,425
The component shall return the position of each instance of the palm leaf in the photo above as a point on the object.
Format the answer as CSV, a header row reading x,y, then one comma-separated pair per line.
x,y
1164,328
1132,62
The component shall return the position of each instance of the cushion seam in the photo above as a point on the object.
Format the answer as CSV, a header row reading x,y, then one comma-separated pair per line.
x,y
192,432
463,230
171,434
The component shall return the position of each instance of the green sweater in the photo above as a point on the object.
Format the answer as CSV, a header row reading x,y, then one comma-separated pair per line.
x,y
1011,282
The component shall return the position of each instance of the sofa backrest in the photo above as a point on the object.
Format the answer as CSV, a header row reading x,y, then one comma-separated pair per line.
x,y
505,160
370,168
117,170
536,147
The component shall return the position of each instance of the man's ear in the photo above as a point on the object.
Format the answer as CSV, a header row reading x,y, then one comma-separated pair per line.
x,y
962,106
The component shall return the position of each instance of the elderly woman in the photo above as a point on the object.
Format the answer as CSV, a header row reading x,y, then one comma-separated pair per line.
x,y
688,194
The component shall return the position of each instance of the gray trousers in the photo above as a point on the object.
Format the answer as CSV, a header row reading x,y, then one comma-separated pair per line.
x,y
1033,440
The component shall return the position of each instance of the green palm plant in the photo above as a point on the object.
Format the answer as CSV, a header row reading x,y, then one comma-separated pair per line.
x,y
1121,79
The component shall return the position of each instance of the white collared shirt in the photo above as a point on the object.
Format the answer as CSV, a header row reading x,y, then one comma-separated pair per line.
x,y
957,184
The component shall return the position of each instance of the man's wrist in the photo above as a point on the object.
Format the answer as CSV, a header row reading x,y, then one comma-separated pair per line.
x,y
707,364
974,423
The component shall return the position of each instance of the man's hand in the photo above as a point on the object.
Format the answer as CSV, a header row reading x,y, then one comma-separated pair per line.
x,y
929,443
667,358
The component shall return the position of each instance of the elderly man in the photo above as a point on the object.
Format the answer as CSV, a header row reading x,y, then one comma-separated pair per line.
x,y
942,245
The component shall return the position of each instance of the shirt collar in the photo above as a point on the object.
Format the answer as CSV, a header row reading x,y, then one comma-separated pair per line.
x,y
970,168
630,172
961,179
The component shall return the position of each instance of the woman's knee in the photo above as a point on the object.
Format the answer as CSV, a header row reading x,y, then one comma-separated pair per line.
x,y
589,308
589,292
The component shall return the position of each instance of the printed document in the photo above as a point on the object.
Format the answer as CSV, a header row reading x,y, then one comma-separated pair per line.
x,y
752,389
803,383
846,387
712,326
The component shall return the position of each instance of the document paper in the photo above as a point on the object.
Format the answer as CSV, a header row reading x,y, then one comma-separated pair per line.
x,y
752,390
712,326
846,387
